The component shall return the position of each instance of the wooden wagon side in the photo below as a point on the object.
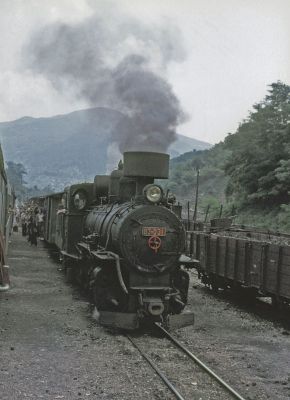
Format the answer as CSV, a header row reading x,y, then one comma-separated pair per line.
x,y
238,262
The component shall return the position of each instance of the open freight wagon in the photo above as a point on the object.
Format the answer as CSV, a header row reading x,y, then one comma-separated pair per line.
x,y
244,258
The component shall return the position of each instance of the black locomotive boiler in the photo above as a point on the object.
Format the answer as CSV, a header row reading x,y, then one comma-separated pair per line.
x,y
122,238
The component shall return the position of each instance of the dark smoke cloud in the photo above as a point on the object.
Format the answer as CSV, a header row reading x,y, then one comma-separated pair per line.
x,y
117,65
154,109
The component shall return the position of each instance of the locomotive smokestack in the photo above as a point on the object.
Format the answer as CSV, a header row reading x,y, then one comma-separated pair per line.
x,y
146,164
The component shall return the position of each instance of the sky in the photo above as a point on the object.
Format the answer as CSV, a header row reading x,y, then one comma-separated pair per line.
x,y
233,49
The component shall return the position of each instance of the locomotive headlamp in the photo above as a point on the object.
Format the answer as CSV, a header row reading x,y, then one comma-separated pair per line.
x,y
80,200
153,193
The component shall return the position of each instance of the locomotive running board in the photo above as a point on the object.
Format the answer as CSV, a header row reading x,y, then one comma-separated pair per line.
x,y
177,321
119,320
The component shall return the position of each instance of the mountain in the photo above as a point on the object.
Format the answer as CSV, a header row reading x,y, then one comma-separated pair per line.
x,y
69,148
184,143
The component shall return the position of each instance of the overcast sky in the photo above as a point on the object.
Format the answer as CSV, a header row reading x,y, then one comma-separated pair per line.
x,y
233,50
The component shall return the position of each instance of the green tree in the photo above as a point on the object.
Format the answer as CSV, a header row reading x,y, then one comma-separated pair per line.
x,y
16,173
260,151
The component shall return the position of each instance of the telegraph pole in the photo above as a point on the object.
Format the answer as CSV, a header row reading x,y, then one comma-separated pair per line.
x,y
196,195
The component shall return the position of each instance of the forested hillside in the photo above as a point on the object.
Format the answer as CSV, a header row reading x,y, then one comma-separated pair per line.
x,y
249,173
212,179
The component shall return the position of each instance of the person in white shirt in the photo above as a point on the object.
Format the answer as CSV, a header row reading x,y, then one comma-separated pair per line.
x,y
39,222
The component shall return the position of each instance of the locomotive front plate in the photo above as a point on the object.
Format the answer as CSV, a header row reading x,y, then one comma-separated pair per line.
x,y
153,231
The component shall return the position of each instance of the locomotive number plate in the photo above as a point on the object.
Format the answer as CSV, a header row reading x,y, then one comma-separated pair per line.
x,y
153,231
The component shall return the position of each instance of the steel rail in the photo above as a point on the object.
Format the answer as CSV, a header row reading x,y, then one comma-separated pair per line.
x,y
157,370
201,364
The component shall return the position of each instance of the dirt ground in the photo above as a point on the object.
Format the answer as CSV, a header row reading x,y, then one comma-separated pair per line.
x,y
51,348
247,345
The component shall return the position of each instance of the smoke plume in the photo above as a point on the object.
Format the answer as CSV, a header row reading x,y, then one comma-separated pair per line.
x,y
117,63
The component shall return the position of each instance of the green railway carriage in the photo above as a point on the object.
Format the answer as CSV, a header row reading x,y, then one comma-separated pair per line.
x,y
7,200
4,195
51,207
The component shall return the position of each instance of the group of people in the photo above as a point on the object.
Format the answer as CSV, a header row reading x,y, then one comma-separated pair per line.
x,y
31,217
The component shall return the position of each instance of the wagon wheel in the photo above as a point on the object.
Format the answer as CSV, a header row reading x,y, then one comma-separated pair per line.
x,y
278,303
214,284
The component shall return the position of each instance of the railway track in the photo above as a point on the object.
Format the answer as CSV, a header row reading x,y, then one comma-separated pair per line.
x,y
221,385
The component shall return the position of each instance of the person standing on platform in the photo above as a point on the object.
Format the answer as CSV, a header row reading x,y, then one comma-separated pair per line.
x,y
24,223
32,232
40,221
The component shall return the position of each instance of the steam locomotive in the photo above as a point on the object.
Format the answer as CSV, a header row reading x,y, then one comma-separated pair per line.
x,y
122,238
